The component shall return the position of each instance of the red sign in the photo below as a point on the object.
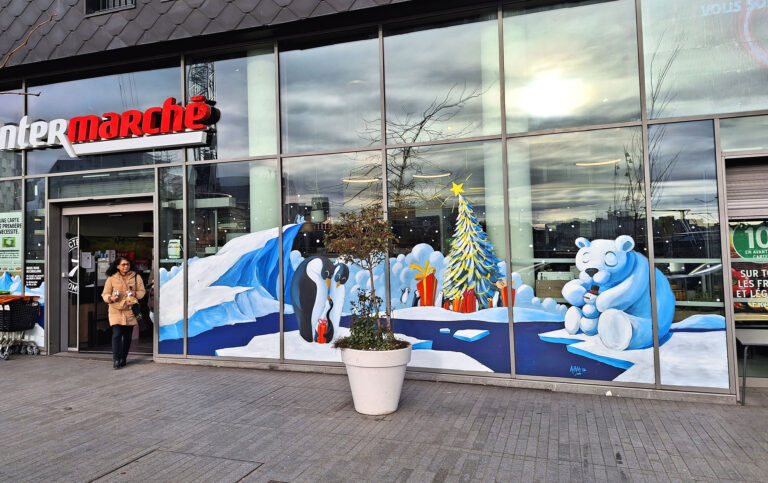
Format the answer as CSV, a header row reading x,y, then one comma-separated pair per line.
x,y
170,125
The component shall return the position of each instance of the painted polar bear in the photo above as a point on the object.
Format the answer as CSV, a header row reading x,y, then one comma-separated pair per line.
x,y
621,313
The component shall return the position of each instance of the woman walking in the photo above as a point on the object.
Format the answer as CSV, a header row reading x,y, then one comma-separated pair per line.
x,y
123,289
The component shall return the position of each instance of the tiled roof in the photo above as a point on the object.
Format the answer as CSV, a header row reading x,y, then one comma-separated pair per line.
x,y
72,33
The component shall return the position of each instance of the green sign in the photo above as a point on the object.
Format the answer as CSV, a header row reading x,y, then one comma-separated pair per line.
x,y
750,240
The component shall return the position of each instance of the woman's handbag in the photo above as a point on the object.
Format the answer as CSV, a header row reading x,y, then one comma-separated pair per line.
x,y
136,308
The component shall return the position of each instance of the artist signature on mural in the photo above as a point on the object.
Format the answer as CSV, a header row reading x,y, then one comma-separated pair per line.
x,y
577,371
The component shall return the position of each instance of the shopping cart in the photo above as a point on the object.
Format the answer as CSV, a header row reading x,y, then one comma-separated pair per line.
x,y
18,314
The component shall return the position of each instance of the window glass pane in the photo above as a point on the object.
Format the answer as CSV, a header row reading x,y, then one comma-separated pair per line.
x,y
704,57
744,133
169,284
446,204
102,184
99,95
233,295
11,111
571,64
42,161
316,189
243,86
686,238
456,67
577,225
329,96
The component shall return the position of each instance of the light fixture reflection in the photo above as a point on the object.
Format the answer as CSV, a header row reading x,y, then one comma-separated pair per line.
x,y
600,163
360,180
429,176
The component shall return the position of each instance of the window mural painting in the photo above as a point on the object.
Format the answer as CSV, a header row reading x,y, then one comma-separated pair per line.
x,y
577,219
233,297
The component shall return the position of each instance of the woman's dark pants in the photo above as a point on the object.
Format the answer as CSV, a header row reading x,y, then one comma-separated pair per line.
x,y
121,341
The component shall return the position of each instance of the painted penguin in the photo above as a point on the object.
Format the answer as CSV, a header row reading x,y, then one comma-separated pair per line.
x,y
416,299
439,299
497,299
336,296
404,296
309,293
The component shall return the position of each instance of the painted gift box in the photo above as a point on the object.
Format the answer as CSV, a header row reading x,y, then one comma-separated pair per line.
x,y
427,284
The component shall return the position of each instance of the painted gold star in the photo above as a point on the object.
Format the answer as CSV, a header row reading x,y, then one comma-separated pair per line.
x,y
457,189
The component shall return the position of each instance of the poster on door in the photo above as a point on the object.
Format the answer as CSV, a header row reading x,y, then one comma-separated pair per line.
x,y
10,241
749,266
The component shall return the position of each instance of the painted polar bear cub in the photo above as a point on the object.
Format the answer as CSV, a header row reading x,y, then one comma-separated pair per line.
x,y
621,312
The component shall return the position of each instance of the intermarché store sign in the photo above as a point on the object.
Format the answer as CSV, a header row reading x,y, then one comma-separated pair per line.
x,y
170,125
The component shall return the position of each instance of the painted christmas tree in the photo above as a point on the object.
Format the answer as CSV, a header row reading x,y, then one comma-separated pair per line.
x,y
472,267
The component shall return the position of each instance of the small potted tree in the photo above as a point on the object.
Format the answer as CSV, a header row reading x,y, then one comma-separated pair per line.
x,y
374,358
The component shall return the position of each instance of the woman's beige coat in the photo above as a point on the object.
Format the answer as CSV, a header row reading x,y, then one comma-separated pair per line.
x,y
120,312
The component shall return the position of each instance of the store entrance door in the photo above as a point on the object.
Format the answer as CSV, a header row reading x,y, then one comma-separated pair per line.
x,y
92,236
748,229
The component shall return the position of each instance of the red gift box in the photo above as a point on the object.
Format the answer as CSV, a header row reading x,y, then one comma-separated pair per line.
x,y
468,302
502,286
427,284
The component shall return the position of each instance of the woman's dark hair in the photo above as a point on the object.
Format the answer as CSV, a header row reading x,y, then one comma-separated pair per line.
x,y
113,266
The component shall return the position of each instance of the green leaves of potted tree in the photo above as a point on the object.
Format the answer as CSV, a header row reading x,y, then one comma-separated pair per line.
x,y
374,358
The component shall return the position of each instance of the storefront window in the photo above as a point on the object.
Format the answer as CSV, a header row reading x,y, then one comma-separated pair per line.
x,y
169,283
577,226
98,95
243,87
456,66
329,96
11,112
704,57
744,134
316,189
34,244
571,64
447,274
102,184
233,292
686,236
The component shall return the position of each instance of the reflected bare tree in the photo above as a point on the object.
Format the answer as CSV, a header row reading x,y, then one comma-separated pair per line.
x,y
629,192
412,127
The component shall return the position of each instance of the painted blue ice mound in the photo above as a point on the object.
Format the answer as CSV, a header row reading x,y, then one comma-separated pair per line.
x,y
700,322
470,335
259,270
425,344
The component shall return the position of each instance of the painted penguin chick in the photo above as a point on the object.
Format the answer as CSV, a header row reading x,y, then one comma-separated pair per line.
x,y
336,296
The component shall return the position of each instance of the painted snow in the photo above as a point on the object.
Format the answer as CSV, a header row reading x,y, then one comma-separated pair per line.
x,y
687,358
266,344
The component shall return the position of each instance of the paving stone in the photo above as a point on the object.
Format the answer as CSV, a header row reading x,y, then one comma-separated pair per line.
x,y
73,419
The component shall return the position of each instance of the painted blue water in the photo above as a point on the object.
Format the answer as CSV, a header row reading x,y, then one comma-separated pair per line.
x,y
535,357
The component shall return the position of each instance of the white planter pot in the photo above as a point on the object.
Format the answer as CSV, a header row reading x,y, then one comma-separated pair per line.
x,y
376,378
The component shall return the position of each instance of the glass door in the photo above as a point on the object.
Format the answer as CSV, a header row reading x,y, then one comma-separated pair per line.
x,y
93,237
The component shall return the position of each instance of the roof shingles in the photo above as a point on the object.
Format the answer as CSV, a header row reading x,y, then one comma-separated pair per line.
x,y
72,33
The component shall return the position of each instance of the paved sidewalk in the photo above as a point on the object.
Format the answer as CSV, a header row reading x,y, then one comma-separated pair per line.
x,y
68,419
